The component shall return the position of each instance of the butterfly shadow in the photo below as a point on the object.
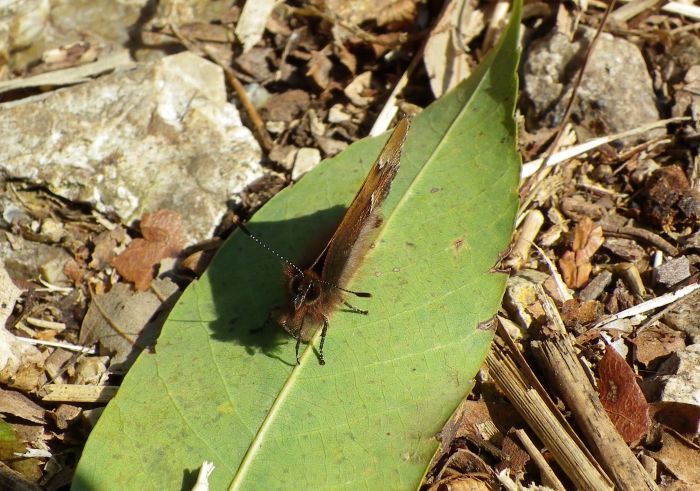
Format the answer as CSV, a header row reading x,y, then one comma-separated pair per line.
x,y
248,288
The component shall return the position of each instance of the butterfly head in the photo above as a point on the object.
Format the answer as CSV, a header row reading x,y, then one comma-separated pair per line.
x,y
305,290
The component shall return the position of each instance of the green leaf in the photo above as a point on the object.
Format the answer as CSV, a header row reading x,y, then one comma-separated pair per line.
x,y
216,391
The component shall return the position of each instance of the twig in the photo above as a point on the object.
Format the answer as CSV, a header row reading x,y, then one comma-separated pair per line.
x,y
388,112
649,305
512,374
561,364
549,478
526,237
561,285
311,11
538,179
646,235
58,344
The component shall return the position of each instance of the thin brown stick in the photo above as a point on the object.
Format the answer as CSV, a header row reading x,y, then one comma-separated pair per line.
x,y
577,83
646,235
549,478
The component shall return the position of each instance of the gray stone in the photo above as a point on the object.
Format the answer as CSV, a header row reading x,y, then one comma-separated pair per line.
x,y
616,93
672,272
159,135
682,384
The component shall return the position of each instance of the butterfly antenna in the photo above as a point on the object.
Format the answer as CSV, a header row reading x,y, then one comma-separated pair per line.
x,y
358,294
262,244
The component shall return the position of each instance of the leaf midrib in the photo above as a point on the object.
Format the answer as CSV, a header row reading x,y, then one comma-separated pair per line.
x,y
267,422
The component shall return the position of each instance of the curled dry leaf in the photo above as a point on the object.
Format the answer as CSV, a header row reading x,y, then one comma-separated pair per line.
x,y
162,237
621,396
576,264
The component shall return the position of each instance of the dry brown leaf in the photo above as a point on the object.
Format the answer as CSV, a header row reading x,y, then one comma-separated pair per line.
x,y
682,459
358,89
124,321
444,56
577,312
575,264
104,246
680,416
657,342
621,396
162,232
320,67
397,11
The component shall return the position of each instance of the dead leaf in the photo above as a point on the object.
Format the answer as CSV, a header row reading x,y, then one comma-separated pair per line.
x,y
577,312
681,459
162,232
621,396
397,11
286,106
445,58
679,416
251,23
124,321
320,67
21,364
656,342
104,247
346,57
575,264
358,89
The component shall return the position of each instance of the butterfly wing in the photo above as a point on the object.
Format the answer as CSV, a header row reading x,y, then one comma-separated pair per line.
x,y
352,238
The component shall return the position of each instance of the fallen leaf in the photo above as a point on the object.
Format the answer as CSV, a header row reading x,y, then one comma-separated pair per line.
x,y
251,24
445,59
680,416
621,396
357,90
320,67
577,312
397,11
682,459
656,342
162,232
575,264
124,322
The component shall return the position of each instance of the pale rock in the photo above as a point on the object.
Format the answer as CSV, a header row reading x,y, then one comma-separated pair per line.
x,y
159,135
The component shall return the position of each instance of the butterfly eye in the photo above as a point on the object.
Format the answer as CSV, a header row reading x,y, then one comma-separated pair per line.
x,y
296,285
314,292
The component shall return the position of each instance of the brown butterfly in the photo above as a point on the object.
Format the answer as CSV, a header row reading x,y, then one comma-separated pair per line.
x,y
316,291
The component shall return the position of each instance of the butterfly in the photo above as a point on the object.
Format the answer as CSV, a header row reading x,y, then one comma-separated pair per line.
x,y
314,292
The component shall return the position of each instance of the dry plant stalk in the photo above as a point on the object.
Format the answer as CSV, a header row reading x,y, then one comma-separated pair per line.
x,y
538,411
559,361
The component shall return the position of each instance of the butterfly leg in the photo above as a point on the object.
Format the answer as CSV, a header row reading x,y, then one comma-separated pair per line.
x,y
324,330
298,336
355,309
